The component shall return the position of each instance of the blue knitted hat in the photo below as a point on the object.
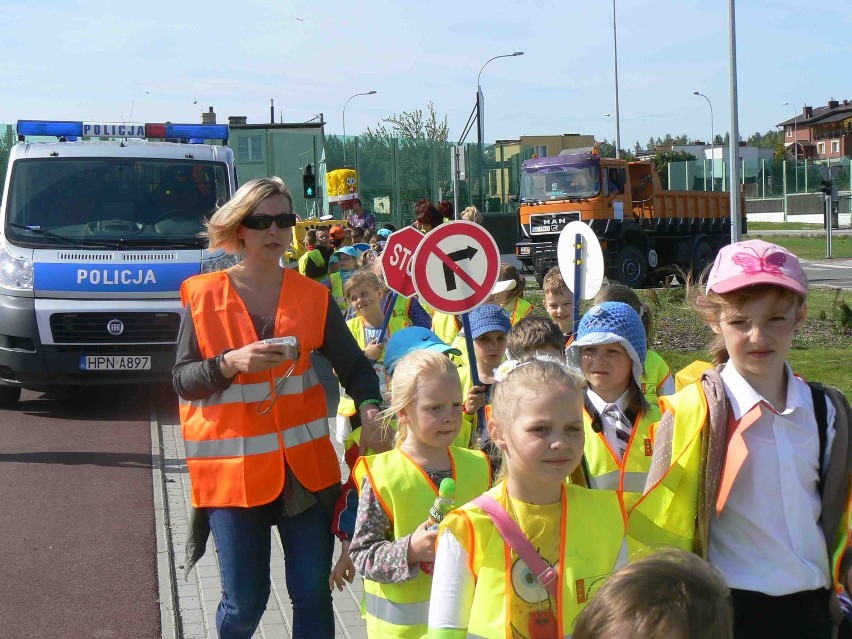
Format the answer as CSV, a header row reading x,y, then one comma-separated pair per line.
x,y
608,323
487,318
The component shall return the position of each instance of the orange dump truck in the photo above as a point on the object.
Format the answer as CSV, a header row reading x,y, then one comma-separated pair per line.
x,y
645,232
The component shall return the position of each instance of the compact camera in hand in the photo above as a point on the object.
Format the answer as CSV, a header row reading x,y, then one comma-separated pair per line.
x,y
289,346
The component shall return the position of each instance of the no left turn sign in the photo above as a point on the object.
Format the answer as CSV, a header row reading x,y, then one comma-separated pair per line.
x,y
456,266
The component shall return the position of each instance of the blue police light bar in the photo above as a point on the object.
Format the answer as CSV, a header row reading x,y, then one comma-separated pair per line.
x,y
203,131
62,129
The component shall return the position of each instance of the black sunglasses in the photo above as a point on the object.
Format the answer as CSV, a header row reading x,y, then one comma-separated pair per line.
x,y
263,222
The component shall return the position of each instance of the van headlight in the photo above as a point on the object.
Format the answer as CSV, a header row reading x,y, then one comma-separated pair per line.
x,y
15,272
219,262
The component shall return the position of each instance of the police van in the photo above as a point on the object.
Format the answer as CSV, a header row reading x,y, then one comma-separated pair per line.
x,y
100,226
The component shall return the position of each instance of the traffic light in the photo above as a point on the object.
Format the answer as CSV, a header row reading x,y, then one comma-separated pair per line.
x,y
826,187
309,183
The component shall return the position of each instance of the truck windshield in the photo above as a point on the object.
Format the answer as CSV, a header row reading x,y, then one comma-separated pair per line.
x,y
558,183
112,201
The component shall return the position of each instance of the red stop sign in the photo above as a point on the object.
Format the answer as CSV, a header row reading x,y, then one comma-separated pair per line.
x,y
397,258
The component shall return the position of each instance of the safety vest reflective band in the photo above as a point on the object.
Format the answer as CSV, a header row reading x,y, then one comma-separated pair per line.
x,y
337,290
628,475
591,547
346,405
235,455
520,310
654,373
293,385
406,493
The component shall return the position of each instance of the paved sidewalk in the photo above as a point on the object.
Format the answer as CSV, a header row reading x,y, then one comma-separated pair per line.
x,y
189,607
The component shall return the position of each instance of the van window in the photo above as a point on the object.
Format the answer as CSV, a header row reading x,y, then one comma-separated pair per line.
x,y
103,200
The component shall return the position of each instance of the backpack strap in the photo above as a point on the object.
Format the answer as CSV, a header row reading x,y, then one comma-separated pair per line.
x,y
518,541
821,415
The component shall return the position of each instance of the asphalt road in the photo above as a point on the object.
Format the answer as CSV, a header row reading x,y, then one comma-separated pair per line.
x,y
76,517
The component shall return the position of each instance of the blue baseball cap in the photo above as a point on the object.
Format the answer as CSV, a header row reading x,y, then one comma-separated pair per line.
x,y
487,318
351,251
413,338
384,233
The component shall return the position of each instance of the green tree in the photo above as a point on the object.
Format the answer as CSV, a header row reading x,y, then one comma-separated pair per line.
x,y
662,160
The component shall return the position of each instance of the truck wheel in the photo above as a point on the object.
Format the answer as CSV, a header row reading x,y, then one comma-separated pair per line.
x,y
701,257
631,269
9,396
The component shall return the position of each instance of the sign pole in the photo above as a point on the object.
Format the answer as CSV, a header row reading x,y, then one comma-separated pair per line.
x,y
578,279
474,373
828,207
388,314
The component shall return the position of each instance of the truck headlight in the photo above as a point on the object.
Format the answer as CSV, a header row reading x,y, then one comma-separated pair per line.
x,y
15,272
219,262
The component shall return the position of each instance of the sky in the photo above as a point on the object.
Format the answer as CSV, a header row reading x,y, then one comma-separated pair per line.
x,y
102,61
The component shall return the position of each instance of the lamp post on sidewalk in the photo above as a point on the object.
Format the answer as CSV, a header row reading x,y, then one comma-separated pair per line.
x,y
480,127
344,121
795,145
712,143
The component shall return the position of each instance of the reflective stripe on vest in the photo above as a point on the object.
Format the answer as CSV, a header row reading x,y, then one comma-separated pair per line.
x,y
257,392
399,614
242,446
592,536
606,469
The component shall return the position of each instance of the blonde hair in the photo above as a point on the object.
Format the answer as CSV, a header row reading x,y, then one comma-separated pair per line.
x,y
472,214
711,307
533,374
553,282
408,376
221,229
672,593
362,277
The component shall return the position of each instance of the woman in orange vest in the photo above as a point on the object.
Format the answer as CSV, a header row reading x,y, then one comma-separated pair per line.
x,y
254,414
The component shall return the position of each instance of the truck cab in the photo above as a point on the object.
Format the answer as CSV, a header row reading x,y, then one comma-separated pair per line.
x,y
98,229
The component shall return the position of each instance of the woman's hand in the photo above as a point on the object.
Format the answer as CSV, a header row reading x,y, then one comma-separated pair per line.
x,y
421,546
253,358
374,350
343,571
475,399
375,436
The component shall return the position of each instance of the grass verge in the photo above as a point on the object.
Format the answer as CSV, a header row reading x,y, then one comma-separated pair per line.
x,y
822,349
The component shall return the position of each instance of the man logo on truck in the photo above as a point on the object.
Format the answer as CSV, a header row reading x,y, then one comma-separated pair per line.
x,y
107,277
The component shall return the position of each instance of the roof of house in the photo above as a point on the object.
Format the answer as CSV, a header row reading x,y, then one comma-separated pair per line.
x,y
822,114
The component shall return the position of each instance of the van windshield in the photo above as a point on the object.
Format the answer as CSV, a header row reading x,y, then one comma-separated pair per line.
x,y
113,201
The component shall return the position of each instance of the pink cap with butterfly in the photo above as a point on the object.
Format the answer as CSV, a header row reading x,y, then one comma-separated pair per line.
x,y
756,262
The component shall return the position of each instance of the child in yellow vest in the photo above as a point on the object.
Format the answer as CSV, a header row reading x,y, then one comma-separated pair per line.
x,y
364,293
508,293
482,587
752,466
610,349
657,378
398,487
559,303
347,259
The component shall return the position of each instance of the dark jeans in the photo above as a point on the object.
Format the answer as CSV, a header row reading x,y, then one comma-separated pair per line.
x,y
243,539
802,615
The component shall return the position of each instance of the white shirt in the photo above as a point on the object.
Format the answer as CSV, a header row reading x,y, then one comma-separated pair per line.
x,y
767,537
607,421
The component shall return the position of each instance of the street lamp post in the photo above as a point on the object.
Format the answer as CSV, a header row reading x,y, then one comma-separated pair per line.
x,y
617,117
712,143
344,121
795,147
480,127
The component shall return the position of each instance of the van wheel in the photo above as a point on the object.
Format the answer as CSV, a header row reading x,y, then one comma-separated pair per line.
x,y
701,257
9,396
631,268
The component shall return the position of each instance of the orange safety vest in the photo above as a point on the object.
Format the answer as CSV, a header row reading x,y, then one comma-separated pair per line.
x,y
235,455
